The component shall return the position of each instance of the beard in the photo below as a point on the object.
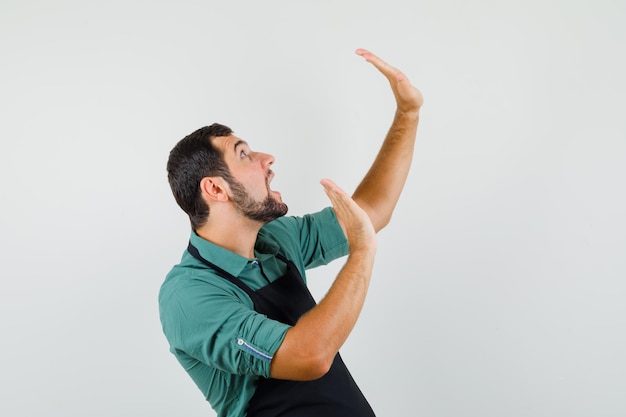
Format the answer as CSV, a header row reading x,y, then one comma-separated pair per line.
x,y
263,211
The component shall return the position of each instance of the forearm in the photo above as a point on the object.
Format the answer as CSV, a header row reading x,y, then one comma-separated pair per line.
x,y
380,189
309,348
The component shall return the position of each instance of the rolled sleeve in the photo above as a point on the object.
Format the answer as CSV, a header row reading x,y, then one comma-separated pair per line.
x,y
219,328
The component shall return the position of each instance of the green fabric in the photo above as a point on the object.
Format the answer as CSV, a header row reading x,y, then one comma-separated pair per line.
x,y
211,326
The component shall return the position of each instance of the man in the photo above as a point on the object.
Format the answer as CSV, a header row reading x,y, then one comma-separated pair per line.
x,y
236,310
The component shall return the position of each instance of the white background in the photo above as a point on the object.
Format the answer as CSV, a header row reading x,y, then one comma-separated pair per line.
x,y
499,287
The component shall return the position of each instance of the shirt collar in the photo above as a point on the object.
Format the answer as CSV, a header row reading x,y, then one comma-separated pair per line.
x,y
230,261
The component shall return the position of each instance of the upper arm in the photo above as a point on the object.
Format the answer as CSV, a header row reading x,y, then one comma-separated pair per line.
x,y
218,328
379,220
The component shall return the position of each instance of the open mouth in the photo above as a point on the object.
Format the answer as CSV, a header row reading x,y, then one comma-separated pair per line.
x,y
268,180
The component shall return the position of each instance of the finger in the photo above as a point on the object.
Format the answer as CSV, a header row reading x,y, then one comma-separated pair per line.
x,y
339,199
339,204
389,71
331,186
329,189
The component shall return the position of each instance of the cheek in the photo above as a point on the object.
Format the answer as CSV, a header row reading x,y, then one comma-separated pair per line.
x,y
256,187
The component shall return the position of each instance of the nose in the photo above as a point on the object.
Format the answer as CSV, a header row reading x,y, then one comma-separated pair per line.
x,y
266,159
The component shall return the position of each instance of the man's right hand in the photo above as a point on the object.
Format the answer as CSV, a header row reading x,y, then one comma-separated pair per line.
x,y
354,221
309,348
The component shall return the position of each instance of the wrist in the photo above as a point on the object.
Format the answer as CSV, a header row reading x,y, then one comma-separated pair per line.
x,y
411,114
363,252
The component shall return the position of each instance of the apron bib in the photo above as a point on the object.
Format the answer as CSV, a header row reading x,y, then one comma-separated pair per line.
x,y
333,395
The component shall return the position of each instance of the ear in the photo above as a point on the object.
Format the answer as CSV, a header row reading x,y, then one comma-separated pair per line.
x,y
214,188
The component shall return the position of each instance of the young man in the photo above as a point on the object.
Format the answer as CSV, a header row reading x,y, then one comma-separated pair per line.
x,y
236,310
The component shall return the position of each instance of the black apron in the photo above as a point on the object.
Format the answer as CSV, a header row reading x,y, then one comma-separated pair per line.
x,y
333,395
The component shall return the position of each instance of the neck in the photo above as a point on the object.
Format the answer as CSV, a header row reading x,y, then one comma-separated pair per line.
x,y
238,236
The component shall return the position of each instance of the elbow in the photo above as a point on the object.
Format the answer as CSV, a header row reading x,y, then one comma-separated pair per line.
x,y
319,357
321,367
381,222
314,363
315,368
379,218
301,363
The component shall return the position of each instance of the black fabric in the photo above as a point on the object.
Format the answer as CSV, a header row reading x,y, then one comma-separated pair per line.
x,y
333,395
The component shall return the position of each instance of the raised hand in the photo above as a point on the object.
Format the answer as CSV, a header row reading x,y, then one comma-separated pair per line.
x,y
309,348
408,98
355,222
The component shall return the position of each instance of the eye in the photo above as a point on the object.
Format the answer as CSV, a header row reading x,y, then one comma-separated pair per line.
x,y
243,154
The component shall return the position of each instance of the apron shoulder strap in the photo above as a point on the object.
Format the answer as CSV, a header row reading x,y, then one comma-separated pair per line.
x,y
219,271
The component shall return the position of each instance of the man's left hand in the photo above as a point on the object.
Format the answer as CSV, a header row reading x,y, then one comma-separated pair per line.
x,y
408,98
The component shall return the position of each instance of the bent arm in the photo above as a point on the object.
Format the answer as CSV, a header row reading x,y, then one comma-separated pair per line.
x,y
380,189
309,347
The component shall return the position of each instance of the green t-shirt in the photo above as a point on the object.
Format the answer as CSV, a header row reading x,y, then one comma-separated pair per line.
x,y
212,328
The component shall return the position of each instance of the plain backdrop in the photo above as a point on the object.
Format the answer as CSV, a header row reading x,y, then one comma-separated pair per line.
x,y
499,286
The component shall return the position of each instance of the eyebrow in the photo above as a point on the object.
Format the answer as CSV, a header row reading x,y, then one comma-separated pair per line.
x,y
239,142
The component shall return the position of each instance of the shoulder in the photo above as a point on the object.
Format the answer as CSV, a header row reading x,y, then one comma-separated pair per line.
x,y
187,288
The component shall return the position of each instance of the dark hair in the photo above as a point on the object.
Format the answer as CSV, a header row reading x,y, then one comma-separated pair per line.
x,y
192,159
